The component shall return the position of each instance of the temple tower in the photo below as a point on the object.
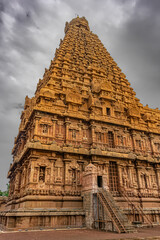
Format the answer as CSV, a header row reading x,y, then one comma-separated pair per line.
x,y
84,112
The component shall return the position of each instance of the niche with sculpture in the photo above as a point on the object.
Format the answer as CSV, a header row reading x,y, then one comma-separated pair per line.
x,y
58,171
74,174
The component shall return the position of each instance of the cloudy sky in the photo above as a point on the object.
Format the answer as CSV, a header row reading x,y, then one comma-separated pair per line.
x,y
30,31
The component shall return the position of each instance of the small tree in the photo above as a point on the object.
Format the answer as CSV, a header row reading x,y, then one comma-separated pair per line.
x,y
1,193
5,193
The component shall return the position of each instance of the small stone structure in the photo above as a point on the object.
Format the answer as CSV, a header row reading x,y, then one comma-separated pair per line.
x,y
83,129
3,201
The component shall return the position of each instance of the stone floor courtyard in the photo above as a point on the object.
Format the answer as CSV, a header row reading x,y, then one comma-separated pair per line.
x,y
80,234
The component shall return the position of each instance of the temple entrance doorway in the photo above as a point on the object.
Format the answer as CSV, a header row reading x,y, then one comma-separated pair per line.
x,y
99,181
113,177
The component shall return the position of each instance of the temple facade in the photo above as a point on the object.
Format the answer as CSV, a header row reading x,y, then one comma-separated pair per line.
x,y
84,140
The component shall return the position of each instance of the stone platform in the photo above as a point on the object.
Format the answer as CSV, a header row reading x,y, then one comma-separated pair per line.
x,y
42,218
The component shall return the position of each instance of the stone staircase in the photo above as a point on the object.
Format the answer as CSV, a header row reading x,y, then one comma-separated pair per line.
x,y
118,218
139,210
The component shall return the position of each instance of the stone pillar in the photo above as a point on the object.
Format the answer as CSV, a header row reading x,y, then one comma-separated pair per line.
x,y
52,160
32,160
60,132
151,143
107,175
80,125
54,120
93,137
25,175
133,179
133,134
36,127
66,174
116,138
105,137
89,187
26,166
120,166
67,123
17,180
130,172
157,170
138,168
105,184
149,177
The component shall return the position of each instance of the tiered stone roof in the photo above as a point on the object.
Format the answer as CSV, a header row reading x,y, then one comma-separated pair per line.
x,y
83,80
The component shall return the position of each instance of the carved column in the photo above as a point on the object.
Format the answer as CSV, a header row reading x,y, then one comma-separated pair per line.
x,y
23,181
25,174
66,173
120,166
131,173
157,170
37,118
67,123
59,174
107,175
54,120
17,181
149,169
93,136
26,171
32,163
52,160
11,188
151,143
138,168
60,126
48,175
105,136
133,134
116,137
80,125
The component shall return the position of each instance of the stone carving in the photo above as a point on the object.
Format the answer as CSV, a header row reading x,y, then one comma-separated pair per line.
x,y
73,98
96,87
106,85
48,174
90,168
125,178
47,93
35,175
58,170
42,174
74,173
134,112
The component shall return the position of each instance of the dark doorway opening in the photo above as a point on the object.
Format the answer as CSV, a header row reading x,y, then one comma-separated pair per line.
x,y
108,111
99,181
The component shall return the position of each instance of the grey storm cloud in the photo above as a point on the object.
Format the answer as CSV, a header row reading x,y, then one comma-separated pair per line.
x,y
31,30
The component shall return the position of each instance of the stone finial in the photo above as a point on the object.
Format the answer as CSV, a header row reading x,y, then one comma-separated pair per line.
x,y
78,22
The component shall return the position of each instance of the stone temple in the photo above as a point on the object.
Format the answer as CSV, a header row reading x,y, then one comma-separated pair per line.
x,y
88,152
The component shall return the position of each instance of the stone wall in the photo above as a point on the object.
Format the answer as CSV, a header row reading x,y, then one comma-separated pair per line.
x,y
3,201
42,219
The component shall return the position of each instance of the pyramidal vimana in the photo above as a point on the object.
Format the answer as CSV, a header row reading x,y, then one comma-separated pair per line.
x,y
87,152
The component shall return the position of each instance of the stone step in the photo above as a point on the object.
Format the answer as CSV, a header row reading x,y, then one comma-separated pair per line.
x,y
118,215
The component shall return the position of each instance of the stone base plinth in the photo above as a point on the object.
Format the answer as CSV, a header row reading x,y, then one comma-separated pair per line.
x,y
45,202
42,218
